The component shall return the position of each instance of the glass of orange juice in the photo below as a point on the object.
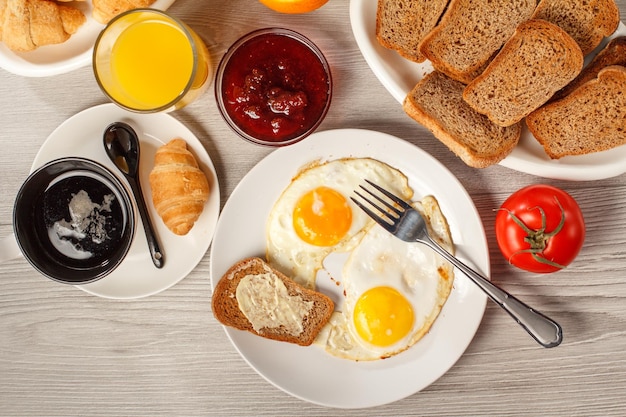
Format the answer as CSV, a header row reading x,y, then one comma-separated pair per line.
x,y
148,61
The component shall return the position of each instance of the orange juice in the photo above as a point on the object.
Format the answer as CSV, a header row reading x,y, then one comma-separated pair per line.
x,y
147,61
152,62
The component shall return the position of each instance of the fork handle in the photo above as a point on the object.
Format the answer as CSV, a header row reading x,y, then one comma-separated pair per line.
x,y
544,330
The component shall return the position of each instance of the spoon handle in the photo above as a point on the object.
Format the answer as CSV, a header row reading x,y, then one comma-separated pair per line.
x,y
155,250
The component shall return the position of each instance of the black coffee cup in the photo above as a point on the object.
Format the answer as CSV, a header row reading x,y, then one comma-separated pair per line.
x,y
73,220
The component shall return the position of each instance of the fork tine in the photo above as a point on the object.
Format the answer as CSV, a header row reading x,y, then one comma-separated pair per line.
x,y
391,196
377,218
390,207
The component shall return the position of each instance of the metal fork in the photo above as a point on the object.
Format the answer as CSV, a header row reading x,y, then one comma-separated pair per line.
x,y
406,223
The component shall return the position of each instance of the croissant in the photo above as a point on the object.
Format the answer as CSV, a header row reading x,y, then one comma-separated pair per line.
x,y
105,10
179,187
28,24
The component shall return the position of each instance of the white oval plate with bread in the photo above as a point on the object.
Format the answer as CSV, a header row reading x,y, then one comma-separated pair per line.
x,y
57,59
81,135
399,76
309,373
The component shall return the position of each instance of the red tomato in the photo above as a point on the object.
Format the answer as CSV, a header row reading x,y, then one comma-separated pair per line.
x,y
540,228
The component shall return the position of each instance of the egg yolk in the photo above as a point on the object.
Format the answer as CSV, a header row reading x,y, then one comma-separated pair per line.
x,y
382,316
322,217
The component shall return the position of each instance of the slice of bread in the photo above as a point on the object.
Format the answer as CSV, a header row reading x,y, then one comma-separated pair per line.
x,y
538,60
437,103
471,32
614,53
590,119
402,24
226,306
588,21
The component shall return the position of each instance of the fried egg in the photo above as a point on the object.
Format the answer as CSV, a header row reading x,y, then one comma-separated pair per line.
x,y
394,291
314,215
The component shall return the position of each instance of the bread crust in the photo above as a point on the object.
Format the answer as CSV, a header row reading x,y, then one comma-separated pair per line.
x,y
614,53
588,22
401,25
437,103
590,119
226,308
518,80
471,32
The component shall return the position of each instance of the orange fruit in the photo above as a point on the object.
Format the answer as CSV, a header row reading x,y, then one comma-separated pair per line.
x,y
294,6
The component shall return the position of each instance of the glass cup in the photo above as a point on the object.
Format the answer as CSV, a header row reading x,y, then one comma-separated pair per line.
x,y
148,61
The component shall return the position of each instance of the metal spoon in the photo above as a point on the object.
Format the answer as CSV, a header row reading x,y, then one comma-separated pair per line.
x,y
122,146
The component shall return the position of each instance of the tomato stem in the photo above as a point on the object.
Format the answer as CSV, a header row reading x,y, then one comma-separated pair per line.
x,y
538,238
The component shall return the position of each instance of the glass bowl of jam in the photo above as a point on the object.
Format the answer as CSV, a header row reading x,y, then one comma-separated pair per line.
x,y
273,87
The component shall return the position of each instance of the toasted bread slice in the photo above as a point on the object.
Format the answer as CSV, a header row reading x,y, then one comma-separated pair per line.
x,y
471,32
588,22
614,53
402,24
590,119
264,284
437,103
538,60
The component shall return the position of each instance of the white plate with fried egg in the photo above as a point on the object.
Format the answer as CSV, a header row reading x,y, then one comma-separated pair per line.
x,y
310,373
399,75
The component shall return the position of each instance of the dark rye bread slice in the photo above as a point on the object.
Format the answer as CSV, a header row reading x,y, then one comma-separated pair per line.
x,y
226,307
538,60
402,24
587,21
590,119
437,103
614,53
471,32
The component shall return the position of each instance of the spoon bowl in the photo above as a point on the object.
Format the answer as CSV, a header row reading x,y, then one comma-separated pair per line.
x,y
122,147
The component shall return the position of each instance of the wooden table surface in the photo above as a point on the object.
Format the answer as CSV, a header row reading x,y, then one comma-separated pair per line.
x,y
64,352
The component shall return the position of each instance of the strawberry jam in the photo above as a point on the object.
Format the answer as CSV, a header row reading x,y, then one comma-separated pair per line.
x,y
274,86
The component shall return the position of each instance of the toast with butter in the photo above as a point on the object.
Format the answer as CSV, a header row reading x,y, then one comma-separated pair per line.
x,y
255,297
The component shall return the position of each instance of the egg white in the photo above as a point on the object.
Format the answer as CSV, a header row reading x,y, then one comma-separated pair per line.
x,y
301,260
416,271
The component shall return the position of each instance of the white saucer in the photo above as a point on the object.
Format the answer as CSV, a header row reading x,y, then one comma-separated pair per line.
x,y
81,135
